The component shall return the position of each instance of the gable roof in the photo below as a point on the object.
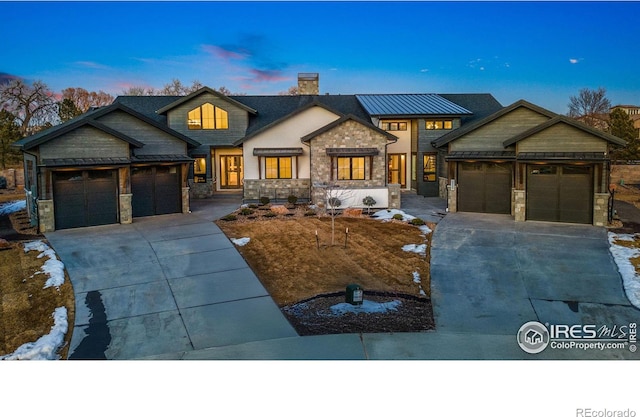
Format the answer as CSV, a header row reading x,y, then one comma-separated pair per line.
x,y
90,118
313,103
457,133
344,119
410,105
201,91
564,120
480,104
148,105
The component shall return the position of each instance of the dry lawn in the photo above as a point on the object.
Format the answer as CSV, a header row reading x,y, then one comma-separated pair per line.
x,y
285,256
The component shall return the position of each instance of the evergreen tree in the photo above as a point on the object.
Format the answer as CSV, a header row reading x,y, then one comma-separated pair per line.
x,y
621,126
9,133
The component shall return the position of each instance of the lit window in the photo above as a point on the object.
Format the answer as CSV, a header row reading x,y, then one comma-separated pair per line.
x,y
429,168
200,166
350,168
207,116
391,126
278,168
439,124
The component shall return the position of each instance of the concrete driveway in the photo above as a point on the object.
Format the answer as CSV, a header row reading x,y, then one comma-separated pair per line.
x,y
490,275
161,285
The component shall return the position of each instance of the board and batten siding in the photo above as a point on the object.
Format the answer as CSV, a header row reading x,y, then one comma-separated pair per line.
x,y
85,142
156,141
491,136
562,138
287,134
238,121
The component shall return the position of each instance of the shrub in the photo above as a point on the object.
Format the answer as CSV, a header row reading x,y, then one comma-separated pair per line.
x,y
417,222
253,206
334,202
230,217
292,199
265,200
309,213
246,211
270,214
398,217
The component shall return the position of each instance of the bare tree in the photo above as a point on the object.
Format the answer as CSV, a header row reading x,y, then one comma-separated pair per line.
x,y
139,91
591,107
292,91
33,106
334,198
84,100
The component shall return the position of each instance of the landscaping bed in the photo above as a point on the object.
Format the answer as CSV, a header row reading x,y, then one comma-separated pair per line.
x,y
306,269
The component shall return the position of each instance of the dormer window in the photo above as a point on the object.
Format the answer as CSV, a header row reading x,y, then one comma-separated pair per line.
x,y
208,116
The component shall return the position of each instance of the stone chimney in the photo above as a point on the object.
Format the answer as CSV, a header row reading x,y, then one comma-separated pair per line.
x,y
308,84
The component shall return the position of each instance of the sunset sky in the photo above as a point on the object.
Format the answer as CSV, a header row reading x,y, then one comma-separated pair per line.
x,y
542,52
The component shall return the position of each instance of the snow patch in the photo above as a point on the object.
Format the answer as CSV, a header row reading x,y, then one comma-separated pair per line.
x,y
366,307
386,215
12,207
425,229
52,267
420,249
241,241
46,347
622,256
416,277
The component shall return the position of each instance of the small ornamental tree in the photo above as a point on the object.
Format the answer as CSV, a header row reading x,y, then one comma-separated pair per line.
x,y
369,202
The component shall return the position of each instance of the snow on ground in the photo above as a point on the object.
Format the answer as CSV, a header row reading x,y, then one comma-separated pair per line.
x,y
418,280
366,307
622,256
12,207
420,249
47,346
52,267
425,229
241,241
386,215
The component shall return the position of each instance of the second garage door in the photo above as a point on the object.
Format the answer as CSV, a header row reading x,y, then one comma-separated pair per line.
x,y
560,193
156,190
484,187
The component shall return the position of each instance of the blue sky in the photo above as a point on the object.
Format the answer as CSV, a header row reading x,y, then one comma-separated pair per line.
x,y
543,52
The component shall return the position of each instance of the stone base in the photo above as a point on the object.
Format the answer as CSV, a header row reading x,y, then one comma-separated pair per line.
x,y
395,199
46,217
452,198
186,208
200,189
600,209
276,190
126,211
519,207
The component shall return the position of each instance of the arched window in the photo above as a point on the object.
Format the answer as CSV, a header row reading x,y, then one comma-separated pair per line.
x,y
207,116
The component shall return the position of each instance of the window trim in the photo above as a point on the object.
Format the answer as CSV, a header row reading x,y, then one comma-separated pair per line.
x,y
278,168
214,121
438,124
388,126
335,161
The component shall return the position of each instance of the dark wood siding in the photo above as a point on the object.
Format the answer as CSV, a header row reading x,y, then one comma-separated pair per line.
x,y
562,138
85,142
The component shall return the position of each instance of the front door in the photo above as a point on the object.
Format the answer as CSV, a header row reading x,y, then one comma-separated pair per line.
x,y
231,171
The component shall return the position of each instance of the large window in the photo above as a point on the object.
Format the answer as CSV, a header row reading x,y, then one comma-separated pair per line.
x,y
278,168
429,168
397,169
208,116
350,168
439,124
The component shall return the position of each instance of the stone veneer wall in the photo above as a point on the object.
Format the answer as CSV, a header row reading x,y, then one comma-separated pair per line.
x,y
186,208
276,188
600,209
443,183
519,205
452,198
349,134
126,211
46,218
201,189
395,196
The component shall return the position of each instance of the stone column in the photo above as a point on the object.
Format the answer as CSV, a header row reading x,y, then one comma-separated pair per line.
x,y
395,199
46,218
452,198
600,209
519,205
126,212
186,208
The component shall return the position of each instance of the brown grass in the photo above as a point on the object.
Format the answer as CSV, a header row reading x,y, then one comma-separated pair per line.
x,y
26,308
284,255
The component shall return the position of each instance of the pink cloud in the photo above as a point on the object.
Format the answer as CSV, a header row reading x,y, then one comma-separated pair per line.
x,y
223,53
267,75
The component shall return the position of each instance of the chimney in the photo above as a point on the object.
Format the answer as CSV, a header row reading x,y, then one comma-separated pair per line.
x,y
308,84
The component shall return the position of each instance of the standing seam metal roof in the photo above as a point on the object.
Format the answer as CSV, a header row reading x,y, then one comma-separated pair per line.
x,y
409,104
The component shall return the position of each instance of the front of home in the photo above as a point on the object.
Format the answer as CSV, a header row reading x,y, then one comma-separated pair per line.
x,y
149,155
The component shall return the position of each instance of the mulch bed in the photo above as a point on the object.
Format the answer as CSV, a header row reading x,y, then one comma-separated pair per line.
x,y
314,317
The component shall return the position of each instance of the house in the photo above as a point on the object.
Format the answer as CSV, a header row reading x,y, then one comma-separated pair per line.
x,y
531,163
149,155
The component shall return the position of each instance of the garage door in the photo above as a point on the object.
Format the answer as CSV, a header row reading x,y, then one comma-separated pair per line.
x,y
560,193
85,198
156,190
484,187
